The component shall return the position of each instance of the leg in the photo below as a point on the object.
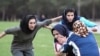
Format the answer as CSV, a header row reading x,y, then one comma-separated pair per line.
x,y
29,53
16,52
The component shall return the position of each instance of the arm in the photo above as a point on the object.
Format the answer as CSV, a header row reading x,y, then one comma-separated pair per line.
x,y
9,31
48,27
88,23
93,29
91,25
48,21
2,34
56,18
52,25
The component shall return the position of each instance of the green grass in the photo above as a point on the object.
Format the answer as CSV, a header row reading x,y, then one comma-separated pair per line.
x,y
43,42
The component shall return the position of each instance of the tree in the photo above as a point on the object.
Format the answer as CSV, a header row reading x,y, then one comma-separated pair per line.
x,y
41,6
3,6
90,4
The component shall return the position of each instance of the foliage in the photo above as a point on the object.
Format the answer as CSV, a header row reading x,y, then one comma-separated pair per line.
x,y
14,9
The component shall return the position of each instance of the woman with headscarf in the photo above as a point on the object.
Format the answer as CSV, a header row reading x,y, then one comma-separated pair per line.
x,y
70,16
60,34
82,41
25,34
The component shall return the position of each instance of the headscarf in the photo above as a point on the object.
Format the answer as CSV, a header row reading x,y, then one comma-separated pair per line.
x,y
65,21
80,29
24,24
61,29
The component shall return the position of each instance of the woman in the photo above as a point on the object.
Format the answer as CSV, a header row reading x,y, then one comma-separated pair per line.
x,y
62,32
70,16
82,41
25,34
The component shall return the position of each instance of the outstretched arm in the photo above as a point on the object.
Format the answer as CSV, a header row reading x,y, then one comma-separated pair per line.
x,y
48,21
56,18
87,22
12,30
91,25
48,27
2,34
53,20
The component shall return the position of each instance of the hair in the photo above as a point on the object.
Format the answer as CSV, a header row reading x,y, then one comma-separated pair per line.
x,y
24,23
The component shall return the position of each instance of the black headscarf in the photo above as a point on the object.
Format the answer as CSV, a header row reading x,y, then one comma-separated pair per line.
x,y
61,29
24,24
65,21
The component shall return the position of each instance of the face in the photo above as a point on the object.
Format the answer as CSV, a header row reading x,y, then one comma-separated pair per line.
x,y
32,24
60,38
70,16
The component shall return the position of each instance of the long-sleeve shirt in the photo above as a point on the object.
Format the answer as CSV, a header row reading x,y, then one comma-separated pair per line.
x,y
21,40
82,46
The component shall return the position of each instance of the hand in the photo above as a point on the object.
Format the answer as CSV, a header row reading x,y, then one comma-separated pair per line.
x,y
59,54
94,30
2,34
62,40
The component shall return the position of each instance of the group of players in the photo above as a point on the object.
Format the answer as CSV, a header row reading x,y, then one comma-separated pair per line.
x,y
71,35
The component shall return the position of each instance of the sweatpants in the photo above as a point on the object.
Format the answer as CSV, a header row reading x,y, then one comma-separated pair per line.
x,y
16,52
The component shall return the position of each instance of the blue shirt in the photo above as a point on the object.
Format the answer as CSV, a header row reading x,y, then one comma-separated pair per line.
x,y
82,46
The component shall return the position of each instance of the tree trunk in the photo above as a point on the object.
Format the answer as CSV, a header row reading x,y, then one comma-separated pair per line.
x,y
3,14
13,18
79,7
93,10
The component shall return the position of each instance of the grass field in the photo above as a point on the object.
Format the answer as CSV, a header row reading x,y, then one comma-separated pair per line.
x,y
43,42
